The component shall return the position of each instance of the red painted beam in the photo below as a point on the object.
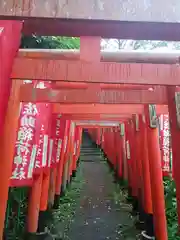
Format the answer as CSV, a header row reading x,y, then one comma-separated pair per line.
x,y
63,70
104,86
93,95
97,108
123,56
98,117
105,109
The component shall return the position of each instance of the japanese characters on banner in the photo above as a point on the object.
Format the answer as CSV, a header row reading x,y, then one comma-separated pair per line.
x,y
25,149
165,143
58,127
42,139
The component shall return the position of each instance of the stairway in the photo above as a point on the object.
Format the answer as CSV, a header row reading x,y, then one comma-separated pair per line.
x,y
89,151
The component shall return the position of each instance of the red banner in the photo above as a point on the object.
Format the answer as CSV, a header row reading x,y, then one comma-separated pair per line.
x,y
42,137
165,143
25,149
58,127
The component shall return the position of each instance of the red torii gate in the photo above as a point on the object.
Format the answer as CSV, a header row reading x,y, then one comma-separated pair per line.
x,y
91,70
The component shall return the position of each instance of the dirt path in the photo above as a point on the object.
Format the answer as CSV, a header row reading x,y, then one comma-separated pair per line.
x,y
99,215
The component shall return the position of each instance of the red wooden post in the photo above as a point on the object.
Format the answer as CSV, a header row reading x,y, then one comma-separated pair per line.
x,y
79,145
137,154
7,143
68,154
43,206
10,36
52,186
60,163
128,157
44,191
65,155
72,151
132,159
34,204
146,185
119,150
173,105
138,167
76,138
157,188
124,157
63,133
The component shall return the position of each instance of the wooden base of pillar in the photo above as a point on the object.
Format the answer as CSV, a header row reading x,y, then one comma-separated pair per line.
x,y
74,173
56,201
63,191
135,206
44,218
149,226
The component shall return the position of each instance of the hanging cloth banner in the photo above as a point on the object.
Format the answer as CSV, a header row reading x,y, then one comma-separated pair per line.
x,y
71,149
76,146
66,140
43,132
165,144
25,149
42,137
58,128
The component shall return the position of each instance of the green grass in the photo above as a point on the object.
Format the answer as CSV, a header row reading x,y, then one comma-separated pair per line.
x,y
171,208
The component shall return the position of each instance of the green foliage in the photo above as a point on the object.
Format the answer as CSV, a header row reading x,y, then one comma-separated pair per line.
x,y
16,213
171,208
50,42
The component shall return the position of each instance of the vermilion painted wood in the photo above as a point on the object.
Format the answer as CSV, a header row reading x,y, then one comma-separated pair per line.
x,y
34,204
124,158
75,150
138,159
175,136
44,191
129,162
7,143
72,142
133,164
10,36
157,188
98,117
119,149
104,109
92,127
81,71
89,95
52,185
61,162
94,55
146,185
97,108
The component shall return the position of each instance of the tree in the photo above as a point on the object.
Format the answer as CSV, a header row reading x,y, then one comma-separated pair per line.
x,y
50,42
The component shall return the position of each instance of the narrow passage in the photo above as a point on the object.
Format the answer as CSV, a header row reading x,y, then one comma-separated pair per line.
x,y
102,211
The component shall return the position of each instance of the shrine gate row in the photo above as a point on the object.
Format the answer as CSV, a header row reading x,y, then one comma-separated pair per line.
x,y
45,102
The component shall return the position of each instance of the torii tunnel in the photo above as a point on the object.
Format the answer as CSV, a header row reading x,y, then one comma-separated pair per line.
x,y
47,98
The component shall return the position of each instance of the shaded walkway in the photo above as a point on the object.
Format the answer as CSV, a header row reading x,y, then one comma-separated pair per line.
x,y
97,216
